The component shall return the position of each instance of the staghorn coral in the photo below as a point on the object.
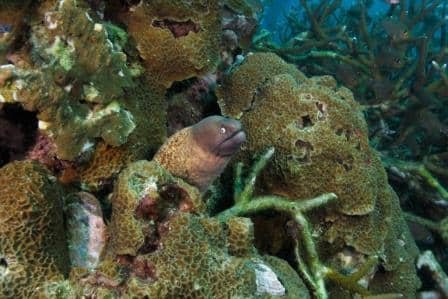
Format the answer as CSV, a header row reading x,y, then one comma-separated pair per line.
x,y
32,245
176,39
321,145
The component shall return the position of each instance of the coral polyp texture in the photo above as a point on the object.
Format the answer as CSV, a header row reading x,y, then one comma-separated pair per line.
x,y
321,143
176,39
32,238
144,195
76,90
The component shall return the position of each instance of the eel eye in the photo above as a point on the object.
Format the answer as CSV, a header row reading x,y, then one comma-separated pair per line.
x,y
222,130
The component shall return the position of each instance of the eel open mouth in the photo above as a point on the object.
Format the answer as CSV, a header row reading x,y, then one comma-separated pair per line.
x,y
232,144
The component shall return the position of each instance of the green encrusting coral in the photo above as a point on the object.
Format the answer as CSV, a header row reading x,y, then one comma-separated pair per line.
x,y
77,91
32,239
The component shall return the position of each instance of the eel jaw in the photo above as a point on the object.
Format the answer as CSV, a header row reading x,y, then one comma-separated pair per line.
x,y
231,144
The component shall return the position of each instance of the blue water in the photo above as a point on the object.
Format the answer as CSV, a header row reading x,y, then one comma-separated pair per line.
x,y
274,20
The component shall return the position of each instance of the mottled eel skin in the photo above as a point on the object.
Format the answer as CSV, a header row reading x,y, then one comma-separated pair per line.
x,y
199,153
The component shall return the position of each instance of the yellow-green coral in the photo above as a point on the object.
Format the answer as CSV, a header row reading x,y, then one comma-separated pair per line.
x,y
190,265
241,87
193,262
240,236
176,39
142,181
32,238
320,137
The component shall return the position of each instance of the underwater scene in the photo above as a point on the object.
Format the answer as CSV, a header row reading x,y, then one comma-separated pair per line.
x,y
228,149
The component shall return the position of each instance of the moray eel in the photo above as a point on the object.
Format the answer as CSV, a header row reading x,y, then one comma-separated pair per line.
x,y
198,154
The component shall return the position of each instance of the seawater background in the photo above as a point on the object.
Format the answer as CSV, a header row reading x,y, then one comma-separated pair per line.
x,y
273,18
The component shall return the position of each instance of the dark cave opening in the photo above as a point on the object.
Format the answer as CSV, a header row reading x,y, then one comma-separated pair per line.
x,y
18,130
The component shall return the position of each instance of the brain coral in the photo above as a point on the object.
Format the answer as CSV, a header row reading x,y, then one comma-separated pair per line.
x,y
32,239
176,39
163,246
320,137
193,263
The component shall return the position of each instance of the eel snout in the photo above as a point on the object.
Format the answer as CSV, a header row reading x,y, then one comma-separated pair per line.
x,y
219,135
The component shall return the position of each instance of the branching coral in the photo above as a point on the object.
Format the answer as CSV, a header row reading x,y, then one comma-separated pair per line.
x,y
309,266
393,61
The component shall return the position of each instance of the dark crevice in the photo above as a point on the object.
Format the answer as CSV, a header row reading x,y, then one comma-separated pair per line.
x,y
255,94
3,263
17,132
178,29
304,122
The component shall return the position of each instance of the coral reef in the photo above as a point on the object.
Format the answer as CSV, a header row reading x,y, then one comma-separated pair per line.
x,y
163,246
76,90
32,244
394,60
12,23
176,39
321,145
145,190
90,89
148,107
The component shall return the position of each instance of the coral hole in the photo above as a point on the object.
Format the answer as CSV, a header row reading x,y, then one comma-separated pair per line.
x,y
178,29
304,122
3,263
347,133
304,148
17,132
